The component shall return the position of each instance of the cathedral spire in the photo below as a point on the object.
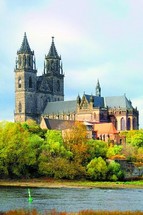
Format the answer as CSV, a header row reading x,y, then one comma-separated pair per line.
x,y
26,58
53,52
25,48
98,89
53,61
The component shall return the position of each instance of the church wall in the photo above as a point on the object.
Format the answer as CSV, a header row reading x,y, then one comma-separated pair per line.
x,y
30,75
30,103
33,93
119,122
20,98
84,116
19,117
42,100
19,114
58,88
95,115
122,118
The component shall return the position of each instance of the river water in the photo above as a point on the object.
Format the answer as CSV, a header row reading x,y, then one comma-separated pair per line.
x,y
71,199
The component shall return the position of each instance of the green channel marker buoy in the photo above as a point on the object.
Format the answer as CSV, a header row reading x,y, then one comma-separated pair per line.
x,y
30,197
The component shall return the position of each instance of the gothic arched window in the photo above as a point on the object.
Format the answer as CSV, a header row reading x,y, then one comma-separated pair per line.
x,y
129,124
19,82
122,124
20,107
134,123
30,82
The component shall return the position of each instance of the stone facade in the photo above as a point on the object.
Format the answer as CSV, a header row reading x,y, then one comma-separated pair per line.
x,y
96,109
43,96
32,92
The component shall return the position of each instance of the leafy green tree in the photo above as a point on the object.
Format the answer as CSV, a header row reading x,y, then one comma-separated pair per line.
x,y
137,139
97,148
19,151
114,172
134,137
61,168
114,150
54,150
33,127
134,145
97,169
55,145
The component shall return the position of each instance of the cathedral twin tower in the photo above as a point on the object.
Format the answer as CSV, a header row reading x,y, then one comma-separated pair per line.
x,y
32,92
42,96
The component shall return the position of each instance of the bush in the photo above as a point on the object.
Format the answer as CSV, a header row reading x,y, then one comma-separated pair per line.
x,y
114,172
97,169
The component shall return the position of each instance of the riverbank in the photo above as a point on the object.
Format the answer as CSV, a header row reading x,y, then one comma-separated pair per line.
x,y
52,183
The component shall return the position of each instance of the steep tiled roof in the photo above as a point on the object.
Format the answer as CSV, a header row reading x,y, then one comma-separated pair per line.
x,y
60,107
98,101
117,102
56,124
25,48
105,128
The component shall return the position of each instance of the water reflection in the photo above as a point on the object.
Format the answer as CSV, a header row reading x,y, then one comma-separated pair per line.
x,y
71,199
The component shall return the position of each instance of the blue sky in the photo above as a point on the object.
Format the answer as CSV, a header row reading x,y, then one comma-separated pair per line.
x,y
97,39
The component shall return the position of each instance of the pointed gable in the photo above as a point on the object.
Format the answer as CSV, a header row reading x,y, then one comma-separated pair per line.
x,y
25,48
84,102
97,101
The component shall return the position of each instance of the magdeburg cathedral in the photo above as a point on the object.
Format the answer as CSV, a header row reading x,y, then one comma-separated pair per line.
x,y
38,97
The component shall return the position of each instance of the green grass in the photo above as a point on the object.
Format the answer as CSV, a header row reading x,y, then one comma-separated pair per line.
x,y
44,182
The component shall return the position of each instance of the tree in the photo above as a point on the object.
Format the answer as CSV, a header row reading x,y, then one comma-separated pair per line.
x,y
97,169
75,139
19,151
54,144
114,172
134,137
61,168
97,148
31,126
114,150
77,134
137,139
53,155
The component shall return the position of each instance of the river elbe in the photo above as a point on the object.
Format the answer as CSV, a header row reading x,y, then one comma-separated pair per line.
x,y
71,199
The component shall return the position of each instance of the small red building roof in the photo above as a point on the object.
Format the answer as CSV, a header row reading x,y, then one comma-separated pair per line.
x,y
105,128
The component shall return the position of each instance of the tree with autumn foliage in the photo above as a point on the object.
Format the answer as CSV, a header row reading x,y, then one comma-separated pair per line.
x,y
75,139
56,159
28,151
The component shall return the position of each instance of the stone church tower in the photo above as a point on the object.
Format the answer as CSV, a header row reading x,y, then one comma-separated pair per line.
x,y
43,96
32,92
25,83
